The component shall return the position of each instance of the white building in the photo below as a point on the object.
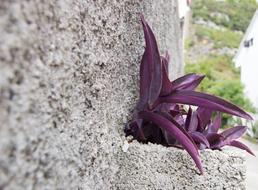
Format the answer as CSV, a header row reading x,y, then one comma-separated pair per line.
x,y
247,60
184,13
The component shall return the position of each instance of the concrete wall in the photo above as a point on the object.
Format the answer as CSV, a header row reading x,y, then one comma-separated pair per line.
x,y
151,167
68,82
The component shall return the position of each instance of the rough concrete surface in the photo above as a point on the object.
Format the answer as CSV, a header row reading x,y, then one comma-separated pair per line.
x,y
68,83
151,167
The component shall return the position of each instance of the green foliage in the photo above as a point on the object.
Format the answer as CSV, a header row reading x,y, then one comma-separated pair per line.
x,y
222,80
255,130
188,43
221,38
232,14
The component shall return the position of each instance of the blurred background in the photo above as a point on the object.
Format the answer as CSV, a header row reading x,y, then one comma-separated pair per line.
x,y
220,41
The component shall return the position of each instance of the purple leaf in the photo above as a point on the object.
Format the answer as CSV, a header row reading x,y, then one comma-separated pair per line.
x,y
175,122
211,137
166,84
204,100
241,146
170,140
167,122
216,140
166,59
154,61
193,123
187,82
234,133
144,82
200,138
204,116
179,119
188,118
165,107
140,131
176,133
214,127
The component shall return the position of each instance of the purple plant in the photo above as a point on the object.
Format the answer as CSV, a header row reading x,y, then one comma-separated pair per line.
x,y
161,117
205,134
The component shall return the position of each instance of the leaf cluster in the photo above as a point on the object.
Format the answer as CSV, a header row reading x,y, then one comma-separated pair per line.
x,y
164,115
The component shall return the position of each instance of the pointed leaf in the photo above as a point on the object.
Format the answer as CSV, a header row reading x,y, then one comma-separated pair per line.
x,y
200,138
188,118
179,119
176,123
166,59
145,77
154,61
234,133
170,140
241,146
175,132
204,100
140,131
166,84
187,82
214,127
204,116
193,123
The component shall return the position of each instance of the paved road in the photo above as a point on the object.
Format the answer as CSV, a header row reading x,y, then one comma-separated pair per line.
x,y
252,167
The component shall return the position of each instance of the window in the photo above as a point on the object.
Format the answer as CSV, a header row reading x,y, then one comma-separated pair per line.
x,y
248,43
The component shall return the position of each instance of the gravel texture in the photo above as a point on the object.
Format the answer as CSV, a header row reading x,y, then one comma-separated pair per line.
x,y
151,167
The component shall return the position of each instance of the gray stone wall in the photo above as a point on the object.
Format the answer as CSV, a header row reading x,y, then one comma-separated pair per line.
x,y
68,82
151,167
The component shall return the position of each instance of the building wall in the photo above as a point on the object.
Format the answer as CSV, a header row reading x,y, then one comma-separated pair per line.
x,y
247,59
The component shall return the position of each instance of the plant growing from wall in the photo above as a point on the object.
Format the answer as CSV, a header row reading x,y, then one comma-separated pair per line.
x,y
161,115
